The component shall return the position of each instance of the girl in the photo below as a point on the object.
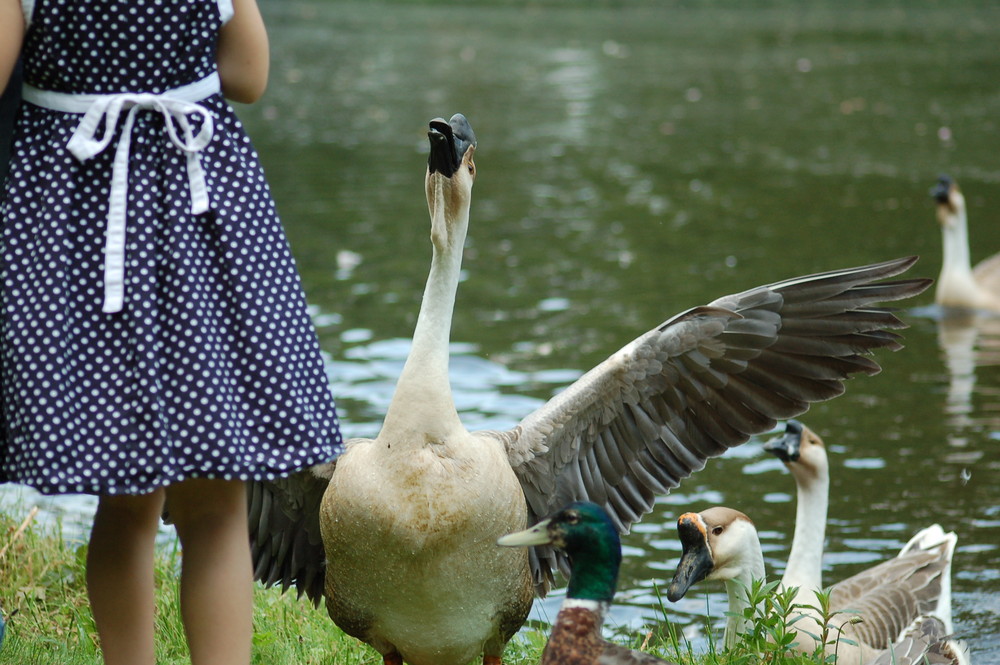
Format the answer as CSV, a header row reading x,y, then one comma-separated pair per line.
x,y
154,339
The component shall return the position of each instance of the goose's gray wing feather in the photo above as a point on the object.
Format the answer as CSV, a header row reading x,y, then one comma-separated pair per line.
x,y
925,642
890,596
285,541
702,382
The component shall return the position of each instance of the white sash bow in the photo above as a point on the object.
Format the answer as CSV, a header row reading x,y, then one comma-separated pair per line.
x,y
175,106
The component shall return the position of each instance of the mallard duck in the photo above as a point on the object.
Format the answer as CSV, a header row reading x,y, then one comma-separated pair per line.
x,y
722,544
959,285
399,534
586,534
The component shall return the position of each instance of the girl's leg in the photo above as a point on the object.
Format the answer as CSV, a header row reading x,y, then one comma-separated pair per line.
x,y
120,576
216,577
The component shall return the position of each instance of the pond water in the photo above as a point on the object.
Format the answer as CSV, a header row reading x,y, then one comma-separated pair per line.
x,y
636,159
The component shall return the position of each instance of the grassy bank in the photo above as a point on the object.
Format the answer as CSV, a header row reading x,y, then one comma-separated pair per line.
x,y
43,596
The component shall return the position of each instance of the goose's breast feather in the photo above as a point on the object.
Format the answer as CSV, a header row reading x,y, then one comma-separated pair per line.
x,y
411,547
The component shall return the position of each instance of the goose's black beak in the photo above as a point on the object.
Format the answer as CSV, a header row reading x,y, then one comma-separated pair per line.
x,y
696,560
941,191
449,142
788,446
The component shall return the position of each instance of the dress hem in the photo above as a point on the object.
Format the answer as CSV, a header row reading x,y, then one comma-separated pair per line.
x,y
171,479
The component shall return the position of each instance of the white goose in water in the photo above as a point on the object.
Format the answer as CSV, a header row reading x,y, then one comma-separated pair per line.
x,y
409,520
960,286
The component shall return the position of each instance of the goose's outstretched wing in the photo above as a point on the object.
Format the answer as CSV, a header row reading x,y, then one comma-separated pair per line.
x,y
702,382
286,546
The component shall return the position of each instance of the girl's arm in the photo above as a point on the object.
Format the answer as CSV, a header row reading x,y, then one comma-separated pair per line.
x,y
243,54
11,36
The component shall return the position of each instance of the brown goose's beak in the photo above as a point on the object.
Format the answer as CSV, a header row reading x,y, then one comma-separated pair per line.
x,y
696,560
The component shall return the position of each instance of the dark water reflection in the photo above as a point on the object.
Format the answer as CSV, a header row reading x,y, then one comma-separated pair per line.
x,y
636,159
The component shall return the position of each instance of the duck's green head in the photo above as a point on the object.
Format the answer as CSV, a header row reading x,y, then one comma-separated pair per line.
x,y
585,532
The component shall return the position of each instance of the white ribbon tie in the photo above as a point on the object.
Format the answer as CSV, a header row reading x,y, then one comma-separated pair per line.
x,y
175,106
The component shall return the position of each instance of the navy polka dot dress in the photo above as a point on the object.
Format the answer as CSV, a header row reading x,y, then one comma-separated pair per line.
x,y
210,366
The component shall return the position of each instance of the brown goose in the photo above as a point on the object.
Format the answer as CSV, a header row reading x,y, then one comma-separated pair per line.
x,y
402,545
892,598
804,454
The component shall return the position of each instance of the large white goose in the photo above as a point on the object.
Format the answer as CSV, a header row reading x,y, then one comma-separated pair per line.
x,y
960,286
405,533
899,600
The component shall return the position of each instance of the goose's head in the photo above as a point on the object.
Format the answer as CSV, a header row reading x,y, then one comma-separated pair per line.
x,y
949,201
451,171
802,451
585,532
718,544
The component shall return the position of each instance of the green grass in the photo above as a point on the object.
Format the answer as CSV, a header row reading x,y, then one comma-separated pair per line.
x,y
43,596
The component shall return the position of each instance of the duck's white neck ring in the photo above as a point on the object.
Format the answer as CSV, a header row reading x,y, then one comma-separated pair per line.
x,y
584,603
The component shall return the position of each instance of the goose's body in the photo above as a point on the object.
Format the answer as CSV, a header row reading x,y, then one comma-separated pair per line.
x,y
890,598
961,286
424,555
585,533
403,537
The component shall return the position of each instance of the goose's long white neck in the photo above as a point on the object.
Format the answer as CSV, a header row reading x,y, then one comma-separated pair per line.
x,y
955,241
805,561
423,409
752,568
